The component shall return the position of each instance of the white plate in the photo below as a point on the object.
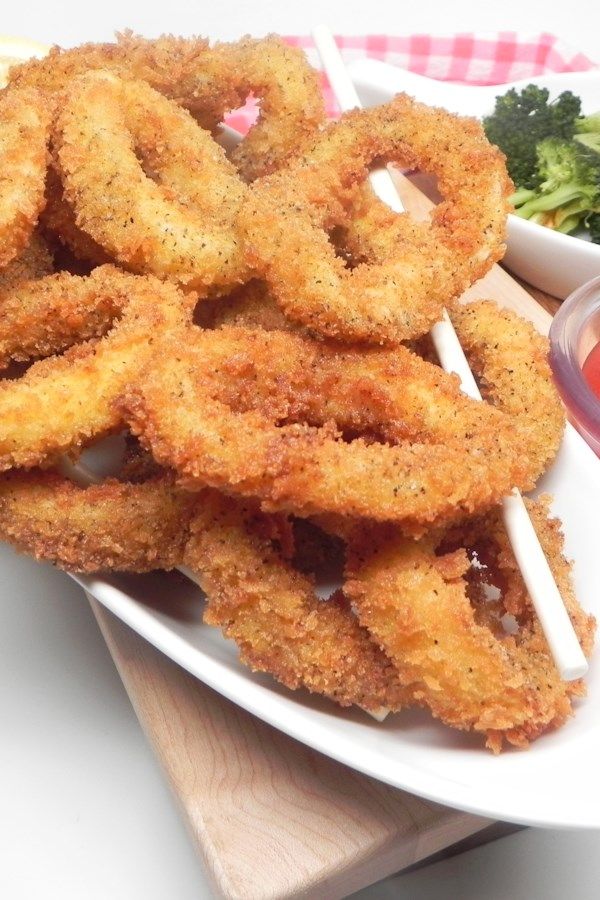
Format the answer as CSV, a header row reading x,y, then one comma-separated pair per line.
x,y
553,784
555,263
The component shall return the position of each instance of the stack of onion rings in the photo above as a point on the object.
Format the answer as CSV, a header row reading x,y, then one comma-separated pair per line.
x,y
267,423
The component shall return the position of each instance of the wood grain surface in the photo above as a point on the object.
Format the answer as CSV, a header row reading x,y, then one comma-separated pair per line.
x,y
271,817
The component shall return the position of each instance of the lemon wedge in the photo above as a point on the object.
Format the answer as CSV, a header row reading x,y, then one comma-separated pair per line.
x,y
14,50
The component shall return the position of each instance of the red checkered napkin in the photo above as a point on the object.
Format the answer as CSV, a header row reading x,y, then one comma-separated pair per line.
x,y
468,58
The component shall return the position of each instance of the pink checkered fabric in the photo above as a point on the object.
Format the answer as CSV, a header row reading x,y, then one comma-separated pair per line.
x,y
467,58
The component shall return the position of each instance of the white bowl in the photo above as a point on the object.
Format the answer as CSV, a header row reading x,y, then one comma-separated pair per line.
x,y
555,263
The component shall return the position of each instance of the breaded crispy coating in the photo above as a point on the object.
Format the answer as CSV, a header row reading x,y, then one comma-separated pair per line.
x,y
412,269
469,673
274,616
24,125
130,527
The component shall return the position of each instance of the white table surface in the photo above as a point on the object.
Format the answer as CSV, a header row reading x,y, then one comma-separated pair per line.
x,y
85,814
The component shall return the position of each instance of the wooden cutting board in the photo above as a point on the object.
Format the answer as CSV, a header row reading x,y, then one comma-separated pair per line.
x,y
270,817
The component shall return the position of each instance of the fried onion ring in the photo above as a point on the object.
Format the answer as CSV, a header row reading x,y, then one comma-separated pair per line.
x,y
272,612
62,403
291,103
390,393
465,668
24,124
39,317
511,360
184,413
180,225
209,82
400,292
128,527
487,537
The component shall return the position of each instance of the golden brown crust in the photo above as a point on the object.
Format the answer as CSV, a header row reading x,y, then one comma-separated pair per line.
x,y
63,403
179,224
110,526
291,104
490,540
511,359
272,612
390,393
59,222
169,64
43,316
24,123
34,261
207,81
412,268
249,306
462,666
181,415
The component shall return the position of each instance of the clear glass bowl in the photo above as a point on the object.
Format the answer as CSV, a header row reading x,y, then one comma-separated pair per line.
x,y
575,331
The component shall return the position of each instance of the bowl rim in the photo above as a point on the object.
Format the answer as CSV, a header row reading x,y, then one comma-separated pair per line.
x,y
564,336
555,239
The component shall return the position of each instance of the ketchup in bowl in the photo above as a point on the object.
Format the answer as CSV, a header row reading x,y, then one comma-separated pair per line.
x,y
591,370
575,359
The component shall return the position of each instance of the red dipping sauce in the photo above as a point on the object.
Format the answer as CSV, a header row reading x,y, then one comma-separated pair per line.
x,y
575,337
591,370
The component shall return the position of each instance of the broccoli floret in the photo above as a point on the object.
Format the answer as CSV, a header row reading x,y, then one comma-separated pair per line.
x,y
591,140
522,196
566,219
569,224
593,223
570,217
588,124
569,180
520,121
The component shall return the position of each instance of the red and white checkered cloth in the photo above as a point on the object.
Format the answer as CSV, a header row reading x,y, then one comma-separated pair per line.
x,y
468,58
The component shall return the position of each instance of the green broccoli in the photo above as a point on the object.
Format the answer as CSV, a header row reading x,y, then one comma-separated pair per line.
x,y
520,121
588,124
569,218
593,223
568,175
590,139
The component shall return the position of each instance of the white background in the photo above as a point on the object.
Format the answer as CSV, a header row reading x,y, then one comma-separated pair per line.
x,y
84,812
